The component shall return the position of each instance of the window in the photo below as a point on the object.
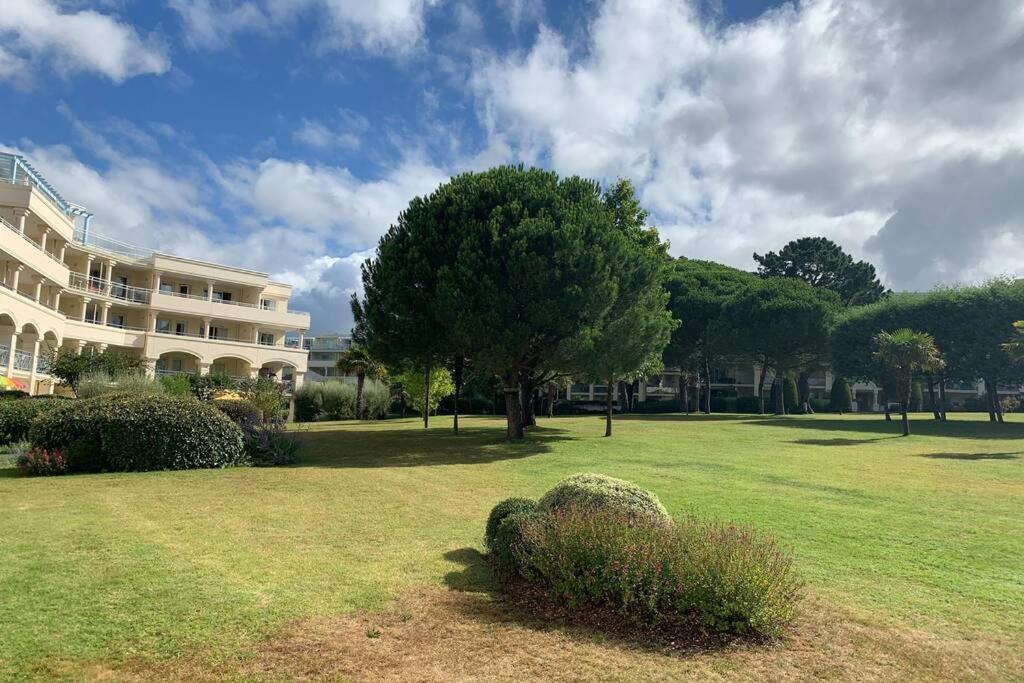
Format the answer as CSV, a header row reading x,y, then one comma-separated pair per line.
x,y
180,328
267,338
215,332
268,304
116,321
163,326
166,288
184,290
221,296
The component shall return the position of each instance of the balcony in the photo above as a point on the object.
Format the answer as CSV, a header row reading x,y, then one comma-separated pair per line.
x,y
201,307
110,334
95,286
22,360
29,252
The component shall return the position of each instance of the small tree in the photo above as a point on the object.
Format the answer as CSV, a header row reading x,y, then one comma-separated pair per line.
x,y
842,397
358,361
441,386
903,354
69,367
1015,347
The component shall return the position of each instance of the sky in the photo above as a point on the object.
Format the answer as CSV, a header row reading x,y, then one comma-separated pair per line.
x,y
287,135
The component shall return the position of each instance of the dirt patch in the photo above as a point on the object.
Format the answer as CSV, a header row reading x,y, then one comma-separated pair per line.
x,y
434,634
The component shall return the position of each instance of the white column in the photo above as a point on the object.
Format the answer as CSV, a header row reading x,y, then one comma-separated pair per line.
x,y
12,344
81,347
297,379
302,337
39,290
56,300
20,214
255,335
254,373
16,277
209,290
104,315
85,308
42,242
32,370
88,272
108,277
204,368
157,277
63,249
206,327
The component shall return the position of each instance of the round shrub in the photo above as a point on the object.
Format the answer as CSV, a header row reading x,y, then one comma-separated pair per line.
x,y
241,412
598,492
16,417
511,549
121,432
509,506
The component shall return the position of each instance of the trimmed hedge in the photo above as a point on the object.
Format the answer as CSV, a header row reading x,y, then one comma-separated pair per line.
x,y
507,507
511,550
16,416
599,492
135,433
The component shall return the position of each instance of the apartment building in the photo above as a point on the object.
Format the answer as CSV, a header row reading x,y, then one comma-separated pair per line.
x,y
324,352
62,285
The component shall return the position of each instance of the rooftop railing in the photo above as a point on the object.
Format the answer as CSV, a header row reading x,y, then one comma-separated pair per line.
x,y
89,238
16,170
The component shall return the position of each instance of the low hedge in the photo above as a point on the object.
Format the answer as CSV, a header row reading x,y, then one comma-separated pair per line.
x,y
16,416
122,432
597,491
507,507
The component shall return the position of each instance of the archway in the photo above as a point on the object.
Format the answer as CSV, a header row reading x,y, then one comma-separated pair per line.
x,y
232,366
177,363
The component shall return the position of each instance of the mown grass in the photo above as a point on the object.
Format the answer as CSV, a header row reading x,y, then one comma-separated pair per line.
x,y
923,534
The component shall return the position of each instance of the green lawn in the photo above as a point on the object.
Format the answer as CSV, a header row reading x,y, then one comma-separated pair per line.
x,y
921,535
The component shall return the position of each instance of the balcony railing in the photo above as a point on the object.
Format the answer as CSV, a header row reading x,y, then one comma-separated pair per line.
x,y
31,241
114,290
16,170
89,238
43,365
4,357
22,360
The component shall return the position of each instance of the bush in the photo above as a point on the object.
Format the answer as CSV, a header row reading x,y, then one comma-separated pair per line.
x,y
820,405
16,417
509,506
790,395
11,394
338,400
747,404
511,551
728,579
267,444
203,386
309,401
842,397
39,462
598,492
176,385
240,412
123,432
376,399
266,394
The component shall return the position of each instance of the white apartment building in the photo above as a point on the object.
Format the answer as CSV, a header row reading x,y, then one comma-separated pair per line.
x,y
61,285
324,352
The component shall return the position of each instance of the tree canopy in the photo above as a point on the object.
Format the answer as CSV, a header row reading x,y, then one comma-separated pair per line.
x,y
820,262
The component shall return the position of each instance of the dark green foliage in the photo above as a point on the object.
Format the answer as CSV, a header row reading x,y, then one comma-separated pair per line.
x,y
11,394
16,417
841,396
916,398
597,492
177,385
820,262
747,404
240,412
790,397
509,506
510,548
731,580
134,433
267,444
203,386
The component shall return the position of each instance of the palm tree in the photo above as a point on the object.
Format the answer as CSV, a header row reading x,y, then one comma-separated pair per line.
x,y
903,353
357,361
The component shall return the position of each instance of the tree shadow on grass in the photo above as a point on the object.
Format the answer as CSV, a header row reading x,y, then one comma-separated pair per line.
x,y
525,606
362,448
957,429
680,417
971,456
836,442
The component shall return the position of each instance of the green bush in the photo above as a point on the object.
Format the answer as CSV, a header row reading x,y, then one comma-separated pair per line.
x,y
731,580
790,395
267,444
16,417
511,551
376,399
12,394
509,506
747,404
99,383
176,385
309,402
598,492
122,432
204,386
240,412
842,397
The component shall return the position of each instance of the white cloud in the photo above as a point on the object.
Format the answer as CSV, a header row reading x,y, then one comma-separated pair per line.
x,y
833,117
384,27
74,41
345,133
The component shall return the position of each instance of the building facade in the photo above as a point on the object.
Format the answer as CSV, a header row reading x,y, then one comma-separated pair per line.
x,y
324,352
63,286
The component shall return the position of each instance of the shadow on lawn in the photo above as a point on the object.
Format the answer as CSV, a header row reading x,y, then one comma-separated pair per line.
x,y
971,456
837,442
526,606
353,447
957,429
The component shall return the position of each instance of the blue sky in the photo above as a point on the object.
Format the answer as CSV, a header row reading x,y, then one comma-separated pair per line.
x,y
285,135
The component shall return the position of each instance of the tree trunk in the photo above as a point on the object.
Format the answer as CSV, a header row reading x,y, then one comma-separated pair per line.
x,y
698,391
942,395
460,361
627,392
936,415
528,407
707,378
904,418
760,390
360,381
513,410
608,408
683,393
777,390
804,389
426,397
552,397
885,406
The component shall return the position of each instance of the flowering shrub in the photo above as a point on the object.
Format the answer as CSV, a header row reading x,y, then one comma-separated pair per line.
x,y
726,578
267,444
39,462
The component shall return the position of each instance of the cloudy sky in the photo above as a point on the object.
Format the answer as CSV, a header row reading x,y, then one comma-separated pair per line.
x,y
286,135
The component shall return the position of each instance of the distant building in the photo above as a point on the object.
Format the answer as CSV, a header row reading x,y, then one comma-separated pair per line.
x,y
324,352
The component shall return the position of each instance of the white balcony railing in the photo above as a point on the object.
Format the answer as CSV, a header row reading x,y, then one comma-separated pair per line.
x,y
31,241
22,360
114,290
4,357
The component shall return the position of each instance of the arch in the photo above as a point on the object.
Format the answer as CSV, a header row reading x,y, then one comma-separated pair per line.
x,y
177,361
187,352
11,317
232,365
30,328
234,356
280,361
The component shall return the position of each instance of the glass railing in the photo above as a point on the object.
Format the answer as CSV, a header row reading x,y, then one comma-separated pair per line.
x,y
22,360
97,241
114,290
4,357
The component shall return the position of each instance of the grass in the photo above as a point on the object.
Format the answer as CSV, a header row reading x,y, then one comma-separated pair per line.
x,y
913,550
